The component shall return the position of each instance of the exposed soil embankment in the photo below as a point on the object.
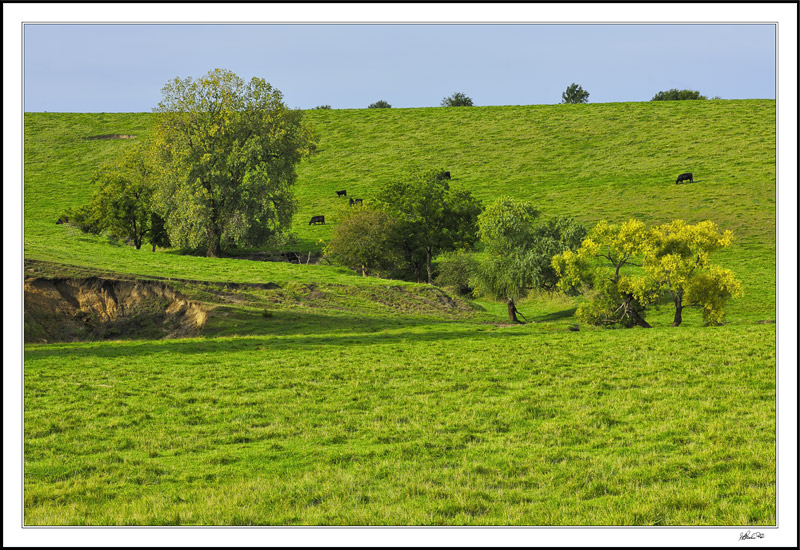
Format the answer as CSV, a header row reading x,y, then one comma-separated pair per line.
x,y
71,309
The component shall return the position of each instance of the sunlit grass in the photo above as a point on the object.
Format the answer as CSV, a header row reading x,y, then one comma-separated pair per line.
x,y
342,400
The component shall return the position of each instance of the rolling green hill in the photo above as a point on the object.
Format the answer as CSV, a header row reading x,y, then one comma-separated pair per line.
x,y
315,396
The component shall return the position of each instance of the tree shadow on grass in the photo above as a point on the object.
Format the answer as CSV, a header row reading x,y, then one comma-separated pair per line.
x,y
305,337
556,316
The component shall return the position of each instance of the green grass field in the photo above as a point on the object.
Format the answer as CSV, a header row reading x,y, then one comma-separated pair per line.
x,y
342,400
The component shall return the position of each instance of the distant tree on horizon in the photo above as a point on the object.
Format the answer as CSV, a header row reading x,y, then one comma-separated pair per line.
x,y
322,107
458,99
380,104
677,95
575,94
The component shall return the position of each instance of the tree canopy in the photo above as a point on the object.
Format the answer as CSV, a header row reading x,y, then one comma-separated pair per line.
x,y
364,239
680,262
604,263
433,215
227,151
574,94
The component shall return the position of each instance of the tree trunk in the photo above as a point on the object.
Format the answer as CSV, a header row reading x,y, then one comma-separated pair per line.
x,y
512,312
678,299
154,247
428,265
637,319
214,249
363,271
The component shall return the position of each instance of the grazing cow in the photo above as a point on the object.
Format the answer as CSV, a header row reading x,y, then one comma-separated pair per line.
x,y
317,219
359,201
684,177
352,202
62,219
443,176
342,193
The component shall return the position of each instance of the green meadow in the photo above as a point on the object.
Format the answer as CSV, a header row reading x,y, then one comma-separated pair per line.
x,y
327,398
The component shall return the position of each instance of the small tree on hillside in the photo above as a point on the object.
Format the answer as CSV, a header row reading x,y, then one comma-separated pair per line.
x,y
380,104
574,94
323,107
674,94
228,151
364,240
433,216
680,262
457,100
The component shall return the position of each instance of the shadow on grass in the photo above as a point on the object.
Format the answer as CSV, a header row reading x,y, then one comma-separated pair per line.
x,y
556,316
288,331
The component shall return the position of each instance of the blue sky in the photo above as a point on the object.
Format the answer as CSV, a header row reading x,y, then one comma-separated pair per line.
x,y
122,68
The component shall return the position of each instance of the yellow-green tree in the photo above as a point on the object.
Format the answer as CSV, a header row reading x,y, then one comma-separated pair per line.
x,y
679,260
228,150
605,265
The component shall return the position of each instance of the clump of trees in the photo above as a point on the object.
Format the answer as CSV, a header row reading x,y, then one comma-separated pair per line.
x,y
380,104
574,94
625,268
674,94
519,251
458,99
122,204
433,216
420,216
323,107
218,173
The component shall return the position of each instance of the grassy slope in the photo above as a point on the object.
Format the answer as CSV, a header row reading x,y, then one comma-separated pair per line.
x,y
356,416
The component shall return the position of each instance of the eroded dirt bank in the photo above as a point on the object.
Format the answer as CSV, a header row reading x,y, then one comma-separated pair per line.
x,y
93,308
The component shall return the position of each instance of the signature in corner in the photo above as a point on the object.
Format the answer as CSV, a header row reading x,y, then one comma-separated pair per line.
x,y
748,536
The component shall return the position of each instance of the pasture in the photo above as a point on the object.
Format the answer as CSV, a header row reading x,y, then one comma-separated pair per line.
x,y
334,399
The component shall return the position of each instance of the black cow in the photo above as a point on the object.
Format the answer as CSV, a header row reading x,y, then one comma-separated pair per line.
x,y
352,202
317,219
342,193
62,219
443,176
359,201
684,177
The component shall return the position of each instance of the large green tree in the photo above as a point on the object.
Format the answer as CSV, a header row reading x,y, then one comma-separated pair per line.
x,y
228,151
519,250
432,215
680,261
